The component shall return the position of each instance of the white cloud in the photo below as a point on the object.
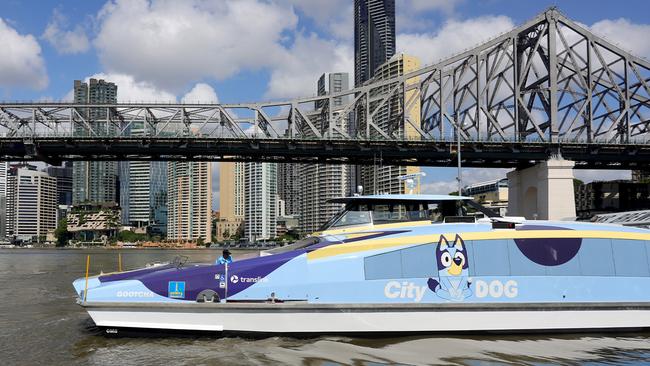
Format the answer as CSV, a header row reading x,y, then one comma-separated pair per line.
x,y
201,93
173,43
21,63
65,41
301,65
441,187
432,184
131,90
630,36
454,36
334,16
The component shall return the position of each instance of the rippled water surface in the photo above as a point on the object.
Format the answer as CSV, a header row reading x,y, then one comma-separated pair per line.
x,y
41,324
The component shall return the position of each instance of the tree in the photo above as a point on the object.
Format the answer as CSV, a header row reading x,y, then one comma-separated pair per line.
x,y
62,234
576,184
200,242
226,234
130,236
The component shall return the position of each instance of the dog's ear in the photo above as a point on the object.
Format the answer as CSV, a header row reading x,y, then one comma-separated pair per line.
x,y
443,243
459,243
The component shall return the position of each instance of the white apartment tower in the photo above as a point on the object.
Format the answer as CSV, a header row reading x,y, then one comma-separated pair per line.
x,y
232,202
383,179
261,201
4,167
322,182
31,203
189,201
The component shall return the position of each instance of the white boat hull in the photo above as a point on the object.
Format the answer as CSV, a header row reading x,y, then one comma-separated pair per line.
x,y
290,318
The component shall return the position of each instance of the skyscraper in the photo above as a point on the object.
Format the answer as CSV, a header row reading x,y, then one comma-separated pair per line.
x,y
143,194
289,187
231,199
261,201
380,179
4,167
31,203
63,175
94,181
374,44
189,200
143,191
374,36
322,182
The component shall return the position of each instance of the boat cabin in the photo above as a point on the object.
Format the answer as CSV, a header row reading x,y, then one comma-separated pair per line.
x,y
376,210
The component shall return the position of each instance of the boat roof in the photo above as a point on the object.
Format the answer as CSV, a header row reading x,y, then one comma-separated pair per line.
x,y
401,198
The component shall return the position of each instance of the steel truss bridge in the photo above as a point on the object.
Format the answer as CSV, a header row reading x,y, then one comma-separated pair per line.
x,y
548,87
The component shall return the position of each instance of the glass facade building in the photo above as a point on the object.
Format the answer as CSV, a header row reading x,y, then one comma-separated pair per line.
x,y
94,181
374,36
143,191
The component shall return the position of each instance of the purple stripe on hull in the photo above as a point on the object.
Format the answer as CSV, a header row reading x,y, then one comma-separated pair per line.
x,y
208,277
131,274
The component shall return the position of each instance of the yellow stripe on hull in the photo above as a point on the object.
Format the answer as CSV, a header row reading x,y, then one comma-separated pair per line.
x,y
394,242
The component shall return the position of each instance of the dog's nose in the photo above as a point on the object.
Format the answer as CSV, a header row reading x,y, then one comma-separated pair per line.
x,y
458,261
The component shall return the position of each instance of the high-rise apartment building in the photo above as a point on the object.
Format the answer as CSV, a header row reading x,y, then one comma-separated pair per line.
x,y
374,44
143,191
261,201
4,167
31,203
380,179
289,187
374,36
330,83
143,195
63,175
189,201
94,181
232,197
322,182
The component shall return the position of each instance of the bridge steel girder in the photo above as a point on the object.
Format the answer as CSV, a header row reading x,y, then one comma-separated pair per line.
x,y
549,82
352,151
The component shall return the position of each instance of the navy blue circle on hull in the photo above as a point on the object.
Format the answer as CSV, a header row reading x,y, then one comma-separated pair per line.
x,y
548,251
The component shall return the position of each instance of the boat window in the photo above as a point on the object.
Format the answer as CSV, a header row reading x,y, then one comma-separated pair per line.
x,y
596,258
490,257
414,262
353,217
398,212
520,265
630,258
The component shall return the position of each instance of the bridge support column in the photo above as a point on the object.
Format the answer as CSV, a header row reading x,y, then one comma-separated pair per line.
x,y
543,191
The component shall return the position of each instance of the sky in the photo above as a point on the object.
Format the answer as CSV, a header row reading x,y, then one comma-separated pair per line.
x,y
254,50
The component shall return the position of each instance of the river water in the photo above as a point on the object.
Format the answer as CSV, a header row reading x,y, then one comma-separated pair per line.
x,y
41,324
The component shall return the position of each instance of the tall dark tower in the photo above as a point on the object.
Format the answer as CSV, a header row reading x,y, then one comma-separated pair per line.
x,y
374,36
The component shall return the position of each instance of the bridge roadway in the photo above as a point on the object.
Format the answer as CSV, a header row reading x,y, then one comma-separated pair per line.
x,y
422,153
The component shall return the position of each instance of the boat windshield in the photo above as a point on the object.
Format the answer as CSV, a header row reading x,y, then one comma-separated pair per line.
x,y
386,213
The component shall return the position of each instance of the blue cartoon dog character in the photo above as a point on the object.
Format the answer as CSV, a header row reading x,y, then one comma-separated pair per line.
x,y
453,270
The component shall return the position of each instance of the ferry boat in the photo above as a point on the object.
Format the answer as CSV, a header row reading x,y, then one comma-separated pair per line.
x,y
398,263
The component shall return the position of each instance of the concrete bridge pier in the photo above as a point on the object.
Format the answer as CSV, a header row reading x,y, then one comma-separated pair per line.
x,y
543,191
